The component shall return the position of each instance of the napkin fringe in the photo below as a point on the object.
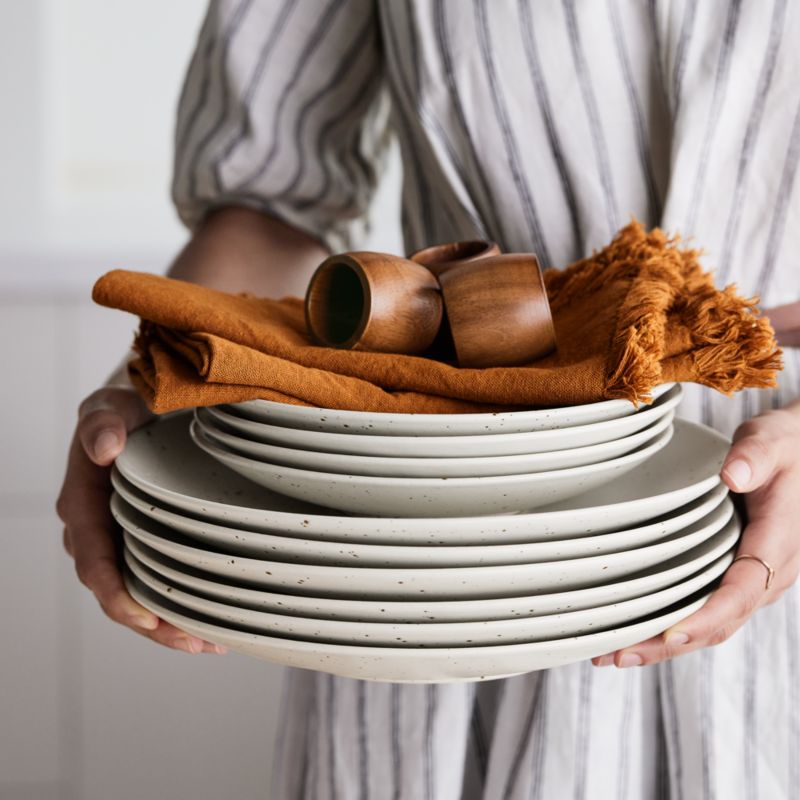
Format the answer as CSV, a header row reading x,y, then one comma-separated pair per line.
x,y
732,346
735,345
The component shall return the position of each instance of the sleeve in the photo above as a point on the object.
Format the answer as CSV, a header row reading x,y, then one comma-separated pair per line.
x,y
284,110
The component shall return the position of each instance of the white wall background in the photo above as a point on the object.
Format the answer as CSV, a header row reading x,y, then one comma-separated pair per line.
x,y
88,710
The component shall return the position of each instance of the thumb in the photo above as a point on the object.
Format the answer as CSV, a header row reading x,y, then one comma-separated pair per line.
x,y
750,463
105,418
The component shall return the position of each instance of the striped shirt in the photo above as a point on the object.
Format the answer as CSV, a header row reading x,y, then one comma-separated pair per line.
x,y
544,125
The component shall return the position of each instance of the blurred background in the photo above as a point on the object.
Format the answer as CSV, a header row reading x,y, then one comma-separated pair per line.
x,y
89,710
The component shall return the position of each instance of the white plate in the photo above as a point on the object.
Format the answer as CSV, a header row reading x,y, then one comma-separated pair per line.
x,y
369,422
432,634
446,583
500,444
161,460
430,497
313,551
410,664
646,582
388,467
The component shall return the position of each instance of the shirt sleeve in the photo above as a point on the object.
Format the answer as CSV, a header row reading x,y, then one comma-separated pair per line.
x,y
284,110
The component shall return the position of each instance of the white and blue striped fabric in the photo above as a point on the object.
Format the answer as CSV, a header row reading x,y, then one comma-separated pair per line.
x,y
544,125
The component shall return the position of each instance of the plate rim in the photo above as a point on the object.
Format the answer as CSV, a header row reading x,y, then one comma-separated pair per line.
x,y
642,583
387,416
696,581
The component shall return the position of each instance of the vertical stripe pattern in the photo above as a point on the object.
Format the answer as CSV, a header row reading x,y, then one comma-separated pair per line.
x,y
598,137
252,86
786,190
717,98
196,153
682,53
751,135
508,136
541,125
637,115
543,100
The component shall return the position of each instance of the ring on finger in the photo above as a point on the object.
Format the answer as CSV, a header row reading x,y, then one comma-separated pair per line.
x,y
767,567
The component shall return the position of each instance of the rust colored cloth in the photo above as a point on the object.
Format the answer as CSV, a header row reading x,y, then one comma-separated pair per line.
x,y
639,312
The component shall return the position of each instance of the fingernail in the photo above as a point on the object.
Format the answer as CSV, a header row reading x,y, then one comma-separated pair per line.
x,y
605,661
676,638
140,621
106,445
189,645
738,473
630,660
218,648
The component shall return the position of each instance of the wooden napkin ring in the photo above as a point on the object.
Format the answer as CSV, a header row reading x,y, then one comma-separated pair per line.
x,y
498,311
373,301
441,257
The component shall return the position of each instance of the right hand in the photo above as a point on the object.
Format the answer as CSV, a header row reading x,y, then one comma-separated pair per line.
x,y
90,533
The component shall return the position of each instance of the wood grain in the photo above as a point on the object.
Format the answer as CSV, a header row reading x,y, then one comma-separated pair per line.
x,y
373,301
442,257
498,311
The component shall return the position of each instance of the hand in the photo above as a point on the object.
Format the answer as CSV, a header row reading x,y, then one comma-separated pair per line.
x,y
763,464
90,533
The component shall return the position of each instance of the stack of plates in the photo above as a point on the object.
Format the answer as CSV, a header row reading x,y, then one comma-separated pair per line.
x,y
434,465
440,582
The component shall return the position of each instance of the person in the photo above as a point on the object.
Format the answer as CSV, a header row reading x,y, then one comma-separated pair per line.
x,y
543,126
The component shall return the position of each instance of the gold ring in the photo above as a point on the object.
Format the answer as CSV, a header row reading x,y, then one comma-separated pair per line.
x,y
767,567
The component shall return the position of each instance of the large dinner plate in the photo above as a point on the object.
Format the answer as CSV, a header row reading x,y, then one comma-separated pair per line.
x,y
437,446
411,664
390,467
641,583
314,551
432,634
161,460
368,422
421,582
430,497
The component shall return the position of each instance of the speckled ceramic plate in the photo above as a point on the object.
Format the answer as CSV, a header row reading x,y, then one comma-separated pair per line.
x,y
432,634
446,583
325,419
411,664
430,497
388,467
645,582
437,446
161,460
313,551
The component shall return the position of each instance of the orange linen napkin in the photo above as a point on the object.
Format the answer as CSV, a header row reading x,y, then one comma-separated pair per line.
x,y
635,314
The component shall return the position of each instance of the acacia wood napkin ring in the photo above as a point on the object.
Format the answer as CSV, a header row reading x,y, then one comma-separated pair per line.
x,y
487,309
498,311
373,301
441,257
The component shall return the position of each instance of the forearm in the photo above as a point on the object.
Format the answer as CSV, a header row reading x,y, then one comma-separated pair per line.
x,y
240,250
785,320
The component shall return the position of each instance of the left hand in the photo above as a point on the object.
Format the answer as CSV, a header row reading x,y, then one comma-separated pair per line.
x,y
763,464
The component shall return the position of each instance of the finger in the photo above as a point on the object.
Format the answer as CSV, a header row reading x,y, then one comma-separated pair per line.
x,y
713,624
751,462
97,570
168,635
104,421
741,592
83,506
